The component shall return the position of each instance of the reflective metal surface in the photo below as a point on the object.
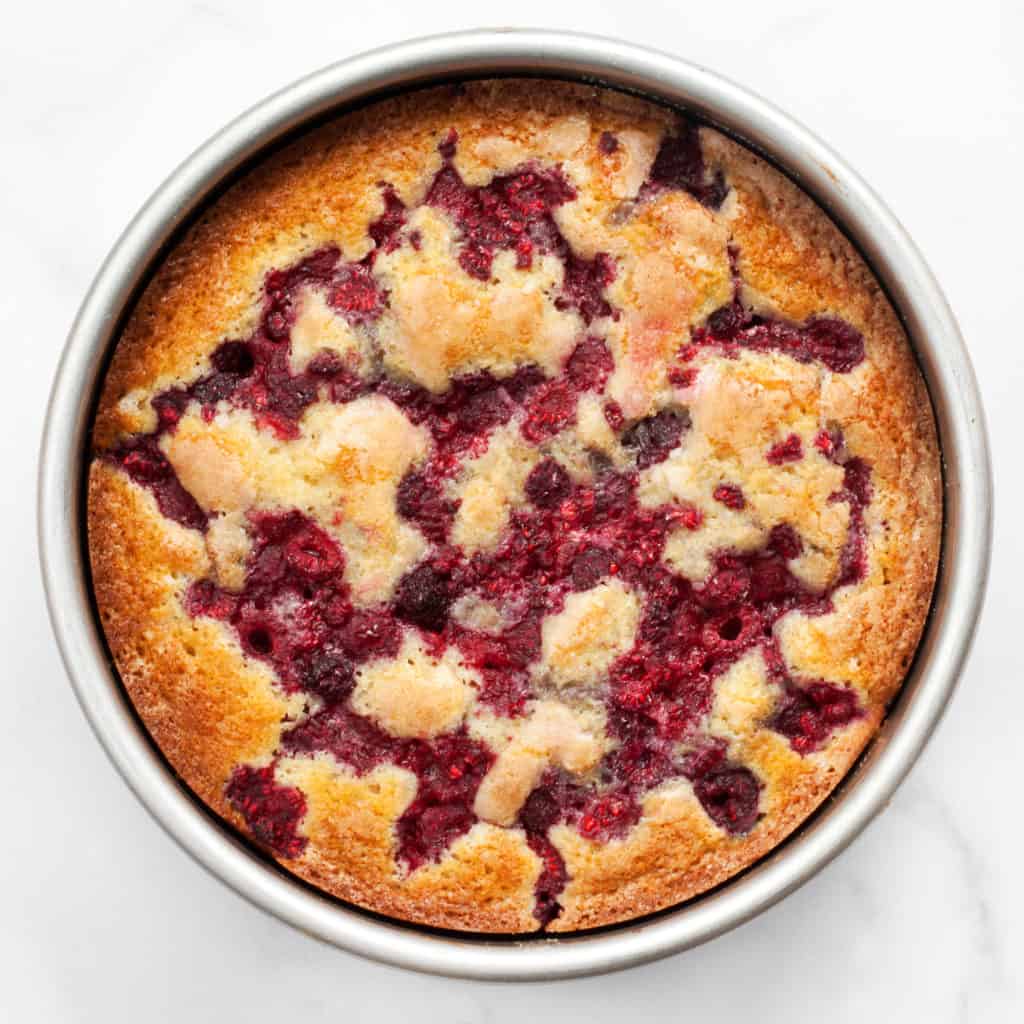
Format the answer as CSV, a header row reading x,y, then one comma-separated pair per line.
x,y
859,212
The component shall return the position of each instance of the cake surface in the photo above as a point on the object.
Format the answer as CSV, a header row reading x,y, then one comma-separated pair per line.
x,y
513,506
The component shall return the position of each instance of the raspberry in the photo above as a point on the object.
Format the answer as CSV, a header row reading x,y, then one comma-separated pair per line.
x,y
683,376
679,164
655,437
808,715
609,816
355,294
233,357
584,283
423,598
614,416
329,675
313,554
727,585
551,409
271,811
371,634
730,796
590,566
421,500
730,495
789,450
590,365
548,484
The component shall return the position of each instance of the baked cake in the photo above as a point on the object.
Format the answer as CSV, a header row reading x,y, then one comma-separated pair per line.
x,y
513,507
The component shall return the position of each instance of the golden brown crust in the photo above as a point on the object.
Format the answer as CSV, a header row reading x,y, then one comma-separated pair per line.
x,y
801,263
210,708
483,884
676,853
207,707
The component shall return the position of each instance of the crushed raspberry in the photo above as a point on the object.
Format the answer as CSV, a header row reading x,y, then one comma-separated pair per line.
x,y
337,729
204,598
548,484
556,799
367,634
856,492
354,294
384,230
789,450
730,796
609,816
590,365
271,811
505,691
591,566
655,437
833,342
683,376
552,878
857,483
607,143
450,770
421,500
785,541
513,212
552,409
730,495
255,373
294,610
613,415
829,442
643,760
809,714
584,284
689,516
827,340
705,757
447,145
679,164
143,461
461,418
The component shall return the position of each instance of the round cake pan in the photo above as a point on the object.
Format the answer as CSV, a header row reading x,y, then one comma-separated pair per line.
x,y
858,211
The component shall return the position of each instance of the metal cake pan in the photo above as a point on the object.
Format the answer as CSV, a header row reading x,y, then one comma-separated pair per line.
x,y
858,211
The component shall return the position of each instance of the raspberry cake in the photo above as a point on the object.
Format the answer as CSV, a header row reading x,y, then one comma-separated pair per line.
x,y
513,506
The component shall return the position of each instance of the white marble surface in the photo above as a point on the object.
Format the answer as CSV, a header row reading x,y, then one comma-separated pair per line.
x,y
104,919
